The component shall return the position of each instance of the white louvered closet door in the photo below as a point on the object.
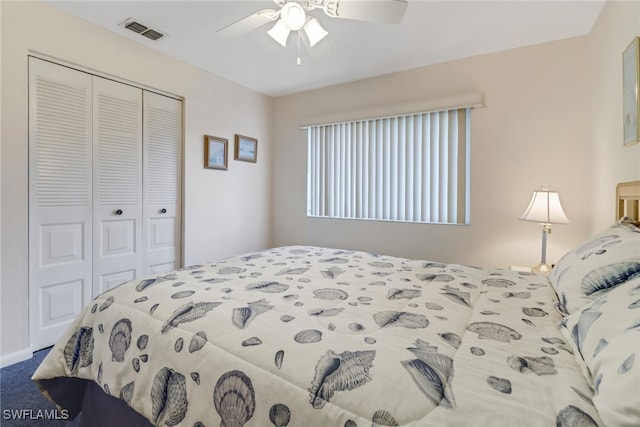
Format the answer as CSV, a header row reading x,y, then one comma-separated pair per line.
x,y
117,180
162,177
60,198
104,190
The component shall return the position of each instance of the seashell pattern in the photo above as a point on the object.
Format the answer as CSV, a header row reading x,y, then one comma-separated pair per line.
x,y
521,295
231,270
267,287
126,393
332,272
120,339
78,352
457,295
325,312
433,306
383,418
356,327
280,415
279,358
390,318
242,316
609,276
435,277
498,282
432,372
292,271
198,341
500,384
142,342
477,351
330,294
581,328
451,338
573,416
168,397
339,372
144,284
600,346
538,365
627,364
182,294
188,313
371,323
251,342
534,312
308,336
234,399
395,294
106,304
494,331
195,376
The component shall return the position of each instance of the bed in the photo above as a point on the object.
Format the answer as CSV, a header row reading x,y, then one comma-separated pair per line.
x,y
310,336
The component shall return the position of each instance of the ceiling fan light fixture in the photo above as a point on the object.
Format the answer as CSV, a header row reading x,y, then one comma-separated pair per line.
x,y
314,31
280,32
293,15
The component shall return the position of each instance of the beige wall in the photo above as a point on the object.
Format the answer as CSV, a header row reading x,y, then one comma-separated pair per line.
x,y
611,162
225,212
533,130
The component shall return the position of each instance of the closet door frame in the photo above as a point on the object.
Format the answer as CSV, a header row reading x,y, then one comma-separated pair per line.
x,y
76,294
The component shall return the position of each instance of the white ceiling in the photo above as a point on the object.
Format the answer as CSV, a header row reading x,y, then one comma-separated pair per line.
x,y
431,32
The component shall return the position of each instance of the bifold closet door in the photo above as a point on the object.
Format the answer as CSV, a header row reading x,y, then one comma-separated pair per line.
x,y
161,233
104,190
60,198
117,180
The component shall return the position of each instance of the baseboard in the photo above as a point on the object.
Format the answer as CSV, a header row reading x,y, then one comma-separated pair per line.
x,y
18,356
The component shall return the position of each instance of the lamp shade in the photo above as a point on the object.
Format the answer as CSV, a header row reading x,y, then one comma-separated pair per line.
x,y
314,31
545,208
280,32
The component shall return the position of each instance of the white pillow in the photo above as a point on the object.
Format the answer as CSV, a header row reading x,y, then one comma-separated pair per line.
x,y
606,339
598,265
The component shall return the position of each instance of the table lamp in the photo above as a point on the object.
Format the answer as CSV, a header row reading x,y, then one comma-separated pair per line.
x,y
544,208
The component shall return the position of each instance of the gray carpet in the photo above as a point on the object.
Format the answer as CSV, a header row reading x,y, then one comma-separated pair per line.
x,y
21,402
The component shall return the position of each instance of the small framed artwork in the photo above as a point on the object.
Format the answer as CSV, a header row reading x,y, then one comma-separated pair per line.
x,y
630,89
215,152
246,149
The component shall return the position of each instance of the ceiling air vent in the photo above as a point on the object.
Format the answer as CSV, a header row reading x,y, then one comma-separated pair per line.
x,y
143,30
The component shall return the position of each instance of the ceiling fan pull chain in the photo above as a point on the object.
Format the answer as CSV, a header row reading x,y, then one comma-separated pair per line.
x,y
299,61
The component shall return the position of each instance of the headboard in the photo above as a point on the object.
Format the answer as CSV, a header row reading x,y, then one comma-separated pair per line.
x,y
628,200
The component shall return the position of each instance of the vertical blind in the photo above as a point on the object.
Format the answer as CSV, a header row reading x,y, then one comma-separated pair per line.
x,y
412,168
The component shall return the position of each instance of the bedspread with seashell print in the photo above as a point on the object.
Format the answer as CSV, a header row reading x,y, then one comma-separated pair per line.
x,y
309,336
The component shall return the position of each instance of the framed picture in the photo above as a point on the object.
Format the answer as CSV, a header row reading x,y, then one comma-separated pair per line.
x,y
246,149
215,152
630,89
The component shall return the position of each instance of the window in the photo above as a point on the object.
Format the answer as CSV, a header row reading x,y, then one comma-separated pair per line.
x,y
412,168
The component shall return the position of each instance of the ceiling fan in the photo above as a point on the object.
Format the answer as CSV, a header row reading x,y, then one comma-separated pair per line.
x,y
293,16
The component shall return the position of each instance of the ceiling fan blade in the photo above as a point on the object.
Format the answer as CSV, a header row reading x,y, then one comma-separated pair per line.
x,y
249,23
379,11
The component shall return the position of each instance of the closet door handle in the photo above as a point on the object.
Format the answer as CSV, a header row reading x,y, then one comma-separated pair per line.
x,y
118,212
163,210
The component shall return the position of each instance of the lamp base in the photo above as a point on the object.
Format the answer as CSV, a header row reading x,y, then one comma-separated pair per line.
x,y
543,268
